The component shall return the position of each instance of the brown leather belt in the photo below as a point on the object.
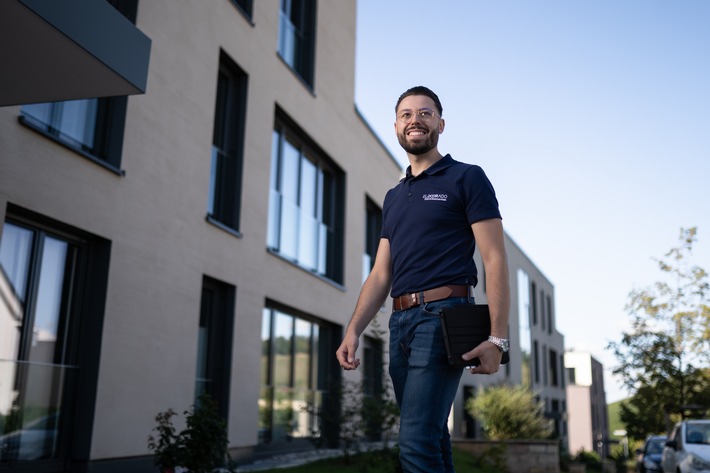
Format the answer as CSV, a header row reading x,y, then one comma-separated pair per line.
x,y
405,301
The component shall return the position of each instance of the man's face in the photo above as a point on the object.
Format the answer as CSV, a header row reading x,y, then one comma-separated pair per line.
x,y
418,135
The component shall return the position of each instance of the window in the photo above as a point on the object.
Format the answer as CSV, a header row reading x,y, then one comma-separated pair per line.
x,y
372,385
373,229
372,374
305,205
214,345
52,292
223,206
296,364
533,302
571,375
544,363
554,379
524,309
245,6
536,361
469,422
297,36
92,127
549,314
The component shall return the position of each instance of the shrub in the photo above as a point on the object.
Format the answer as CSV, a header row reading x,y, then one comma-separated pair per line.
x,y
200,447
509,413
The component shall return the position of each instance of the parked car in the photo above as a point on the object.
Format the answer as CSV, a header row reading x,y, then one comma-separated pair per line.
x,y
688,448
648,458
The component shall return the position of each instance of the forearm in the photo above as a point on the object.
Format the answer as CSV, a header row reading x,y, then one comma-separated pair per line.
x,y
372,296
498,295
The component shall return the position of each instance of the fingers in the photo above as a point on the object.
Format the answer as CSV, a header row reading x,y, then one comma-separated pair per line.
x,y
346,356
484,359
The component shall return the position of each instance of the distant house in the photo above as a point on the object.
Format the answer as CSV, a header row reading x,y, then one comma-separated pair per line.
x,y
586,412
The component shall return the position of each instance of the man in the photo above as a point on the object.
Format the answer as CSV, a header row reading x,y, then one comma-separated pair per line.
x,y
432,221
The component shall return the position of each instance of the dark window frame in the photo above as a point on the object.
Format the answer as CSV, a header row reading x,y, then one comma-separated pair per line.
x,y
227,163
217,316
83,335
373,229
333,203
245,7
533,302
324,374
300,15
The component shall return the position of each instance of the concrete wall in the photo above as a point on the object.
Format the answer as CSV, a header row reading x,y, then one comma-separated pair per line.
x,y
531,456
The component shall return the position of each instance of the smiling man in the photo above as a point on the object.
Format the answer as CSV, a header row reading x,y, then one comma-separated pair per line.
x,y
432,221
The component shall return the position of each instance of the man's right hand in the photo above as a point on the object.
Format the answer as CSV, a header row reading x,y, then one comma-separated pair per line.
x,y
346,352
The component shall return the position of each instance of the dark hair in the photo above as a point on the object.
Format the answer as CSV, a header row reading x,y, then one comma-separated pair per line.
x,y
421,90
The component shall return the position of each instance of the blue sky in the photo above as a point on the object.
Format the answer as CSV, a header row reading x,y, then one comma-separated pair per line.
x,y
591,118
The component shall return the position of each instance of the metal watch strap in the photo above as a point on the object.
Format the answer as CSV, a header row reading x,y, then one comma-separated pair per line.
x,y
502,343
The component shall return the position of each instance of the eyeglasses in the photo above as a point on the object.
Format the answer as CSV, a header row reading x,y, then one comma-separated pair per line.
x,y
425,114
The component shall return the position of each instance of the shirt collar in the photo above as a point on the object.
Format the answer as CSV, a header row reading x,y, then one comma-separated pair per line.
x,y
440,165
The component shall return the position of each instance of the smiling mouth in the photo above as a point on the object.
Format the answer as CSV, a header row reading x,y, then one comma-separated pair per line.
x,y
415,132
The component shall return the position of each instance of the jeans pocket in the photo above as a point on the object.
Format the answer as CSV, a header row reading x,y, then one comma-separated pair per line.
x,y
434,308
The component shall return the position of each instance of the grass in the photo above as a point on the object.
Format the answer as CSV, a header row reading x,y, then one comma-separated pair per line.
x,y
376,463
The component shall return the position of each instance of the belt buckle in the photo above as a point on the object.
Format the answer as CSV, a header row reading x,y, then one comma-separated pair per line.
x,y
413,296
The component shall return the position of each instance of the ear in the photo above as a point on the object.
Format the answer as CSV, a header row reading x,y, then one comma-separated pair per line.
x,y
442,124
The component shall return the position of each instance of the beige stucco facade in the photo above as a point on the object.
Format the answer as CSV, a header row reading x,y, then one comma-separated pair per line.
x,y
153,212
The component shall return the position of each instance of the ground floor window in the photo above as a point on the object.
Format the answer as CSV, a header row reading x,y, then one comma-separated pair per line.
x,y
295,368
52,290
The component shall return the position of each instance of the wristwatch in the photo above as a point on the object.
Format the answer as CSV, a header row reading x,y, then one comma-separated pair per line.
x,y
503,344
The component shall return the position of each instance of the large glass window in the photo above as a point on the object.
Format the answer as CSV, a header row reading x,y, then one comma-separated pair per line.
x,y
93,127
214,345
224,202
293,376
297,36
525,331
45,337
305,206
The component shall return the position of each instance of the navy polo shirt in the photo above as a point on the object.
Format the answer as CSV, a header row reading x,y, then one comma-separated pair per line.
x,y
427,220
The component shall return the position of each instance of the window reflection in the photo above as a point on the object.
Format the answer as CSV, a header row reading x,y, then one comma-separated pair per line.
x,y
524,324
34,270
290,399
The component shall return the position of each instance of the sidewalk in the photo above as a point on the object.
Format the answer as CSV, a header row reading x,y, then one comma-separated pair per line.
x,y
290,459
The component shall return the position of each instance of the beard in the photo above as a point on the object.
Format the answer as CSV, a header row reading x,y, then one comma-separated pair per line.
x,y
432,139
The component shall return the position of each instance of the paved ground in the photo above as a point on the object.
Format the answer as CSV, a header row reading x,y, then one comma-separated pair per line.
x,y
289,459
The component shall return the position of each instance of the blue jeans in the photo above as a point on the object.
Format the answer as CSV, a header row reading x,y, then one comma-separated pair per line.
x,y
425,386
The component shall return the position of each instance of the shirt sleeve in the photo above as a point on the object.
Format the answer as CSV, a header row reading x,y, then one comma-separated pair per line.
x,y
480,197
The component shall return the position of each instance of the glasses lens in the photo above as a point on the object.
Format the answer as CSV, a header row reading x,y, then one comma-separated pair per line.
x,y
423,113
405,115
426,114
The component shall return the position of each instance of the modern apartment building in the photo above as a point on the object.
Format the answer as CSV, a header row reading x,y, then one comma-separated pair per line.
x,y
588,420
210,235
537,348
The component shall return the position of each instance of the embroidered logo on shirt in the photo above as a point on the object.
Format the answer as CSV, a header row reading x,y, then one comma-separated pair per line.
x,y
440,197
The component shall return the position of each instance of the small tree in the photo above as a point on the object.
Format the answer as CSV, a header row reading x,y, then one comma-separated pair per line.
x,y
508,413
664,358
